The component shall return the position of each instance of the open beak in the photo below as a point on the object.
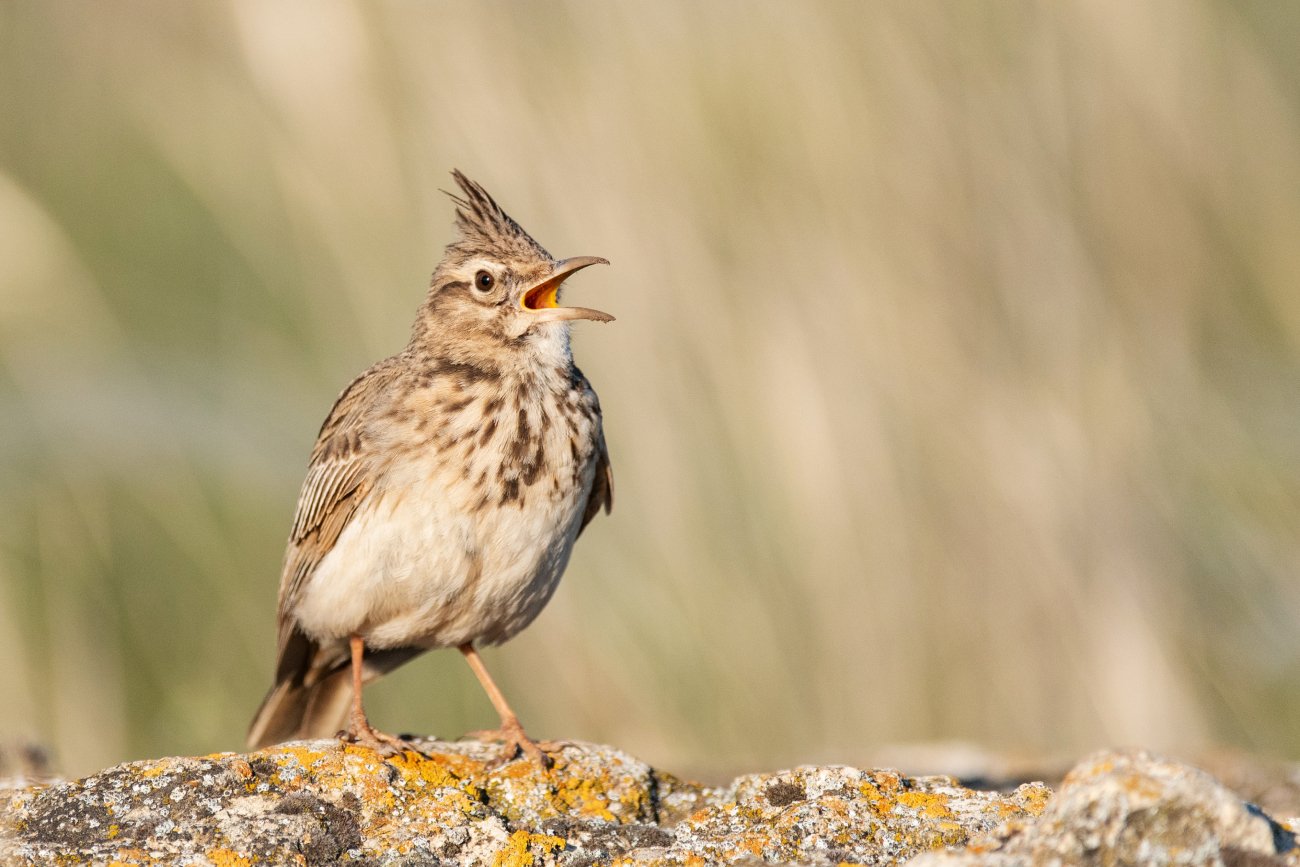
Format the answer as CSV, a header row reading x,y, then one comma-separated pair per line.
x,y
543,298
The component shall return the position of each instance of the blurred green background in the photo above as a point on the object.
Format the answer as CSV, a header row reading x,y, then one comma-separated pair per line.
x,y
954,395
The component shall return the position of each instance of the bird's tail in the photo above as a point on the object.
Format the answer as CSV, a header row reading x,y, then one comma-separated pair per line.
x,y
313,690
310,698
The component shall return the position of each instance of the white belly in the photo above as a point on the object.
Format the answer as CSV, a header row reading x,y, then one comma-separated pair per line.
x,y
427,569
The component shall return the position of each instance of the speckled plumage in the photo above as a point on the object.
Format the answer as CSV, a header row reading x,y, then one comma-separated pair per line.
x,y
448,482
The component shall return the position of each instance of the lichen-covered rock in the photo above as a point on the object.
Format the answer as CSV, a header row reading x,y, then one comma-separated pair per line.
x,y
319,802
833,815
1135,808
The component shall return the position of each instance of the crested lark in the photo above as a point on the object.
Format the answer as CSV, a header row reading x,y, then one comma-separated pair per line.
x,y
446,488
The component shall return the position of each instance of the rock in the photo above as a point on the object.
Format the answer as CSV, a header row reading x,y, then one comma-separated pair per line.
x,y
832,815
1135,808
1270,784
319,802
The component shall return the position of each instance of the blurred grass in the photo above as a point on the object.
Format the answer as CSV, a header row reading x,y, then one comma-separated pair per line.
x,y
953,393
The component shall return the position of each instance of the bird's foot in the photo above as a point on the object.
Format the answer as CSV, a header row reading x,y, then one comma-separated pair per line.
x,y
516,741
363,734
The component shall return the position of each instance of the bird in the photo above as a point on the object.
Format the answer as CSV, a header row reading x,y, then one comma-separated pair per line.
x,y
445,491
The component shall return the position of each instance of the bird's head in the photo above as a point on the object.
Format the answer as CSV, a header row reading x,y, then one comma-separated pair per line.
x,y
496,283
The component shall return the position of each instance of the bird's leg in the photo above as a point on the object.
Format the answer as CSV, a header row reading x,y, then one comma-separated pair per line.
x,y
359,730
511,732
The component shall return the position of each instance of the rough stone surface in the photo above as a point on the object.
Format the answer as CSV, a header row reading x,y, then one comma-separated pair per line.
x,y
1135,808
317,802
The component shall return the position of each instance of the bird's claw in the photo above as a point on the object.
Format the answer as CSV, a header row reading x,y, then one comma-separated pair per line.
x,y
381,742
516,742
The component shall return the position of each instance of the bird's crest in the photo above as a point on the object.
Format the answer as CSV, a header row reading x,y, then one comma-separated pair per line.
x,y
485,229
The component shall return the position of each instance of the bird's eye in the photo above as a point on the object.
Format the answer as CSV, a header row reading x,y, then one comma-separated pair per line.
x,y
484,281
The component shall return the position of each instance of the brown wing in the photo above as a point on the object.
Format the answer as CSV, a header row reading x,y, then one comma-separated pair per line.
x,y
602,489
338,478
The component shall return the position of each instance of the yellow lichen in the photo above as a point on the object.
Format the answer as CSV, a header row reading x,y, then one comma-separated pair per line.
x,y
950,833
881,791
522,849
219,757
154,769
1036,799
931,805
415,767
1141,786
589,797
461,766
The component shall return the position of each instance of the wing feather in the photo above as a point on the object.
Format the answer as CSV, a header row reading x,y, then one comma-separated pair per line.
x,y
602,489
339,475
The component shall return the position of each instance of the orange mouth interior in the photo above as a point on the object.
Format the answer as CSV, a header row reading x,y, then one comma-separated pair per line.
x,y
543,296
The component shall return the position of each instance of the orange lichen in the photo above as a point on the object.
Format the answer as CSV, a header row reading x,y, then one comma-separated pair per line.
x,y
753,843
228,858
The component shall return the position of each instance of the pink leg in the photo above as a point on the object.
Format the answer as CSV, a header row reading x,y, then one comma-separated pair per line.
x,y
511,731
